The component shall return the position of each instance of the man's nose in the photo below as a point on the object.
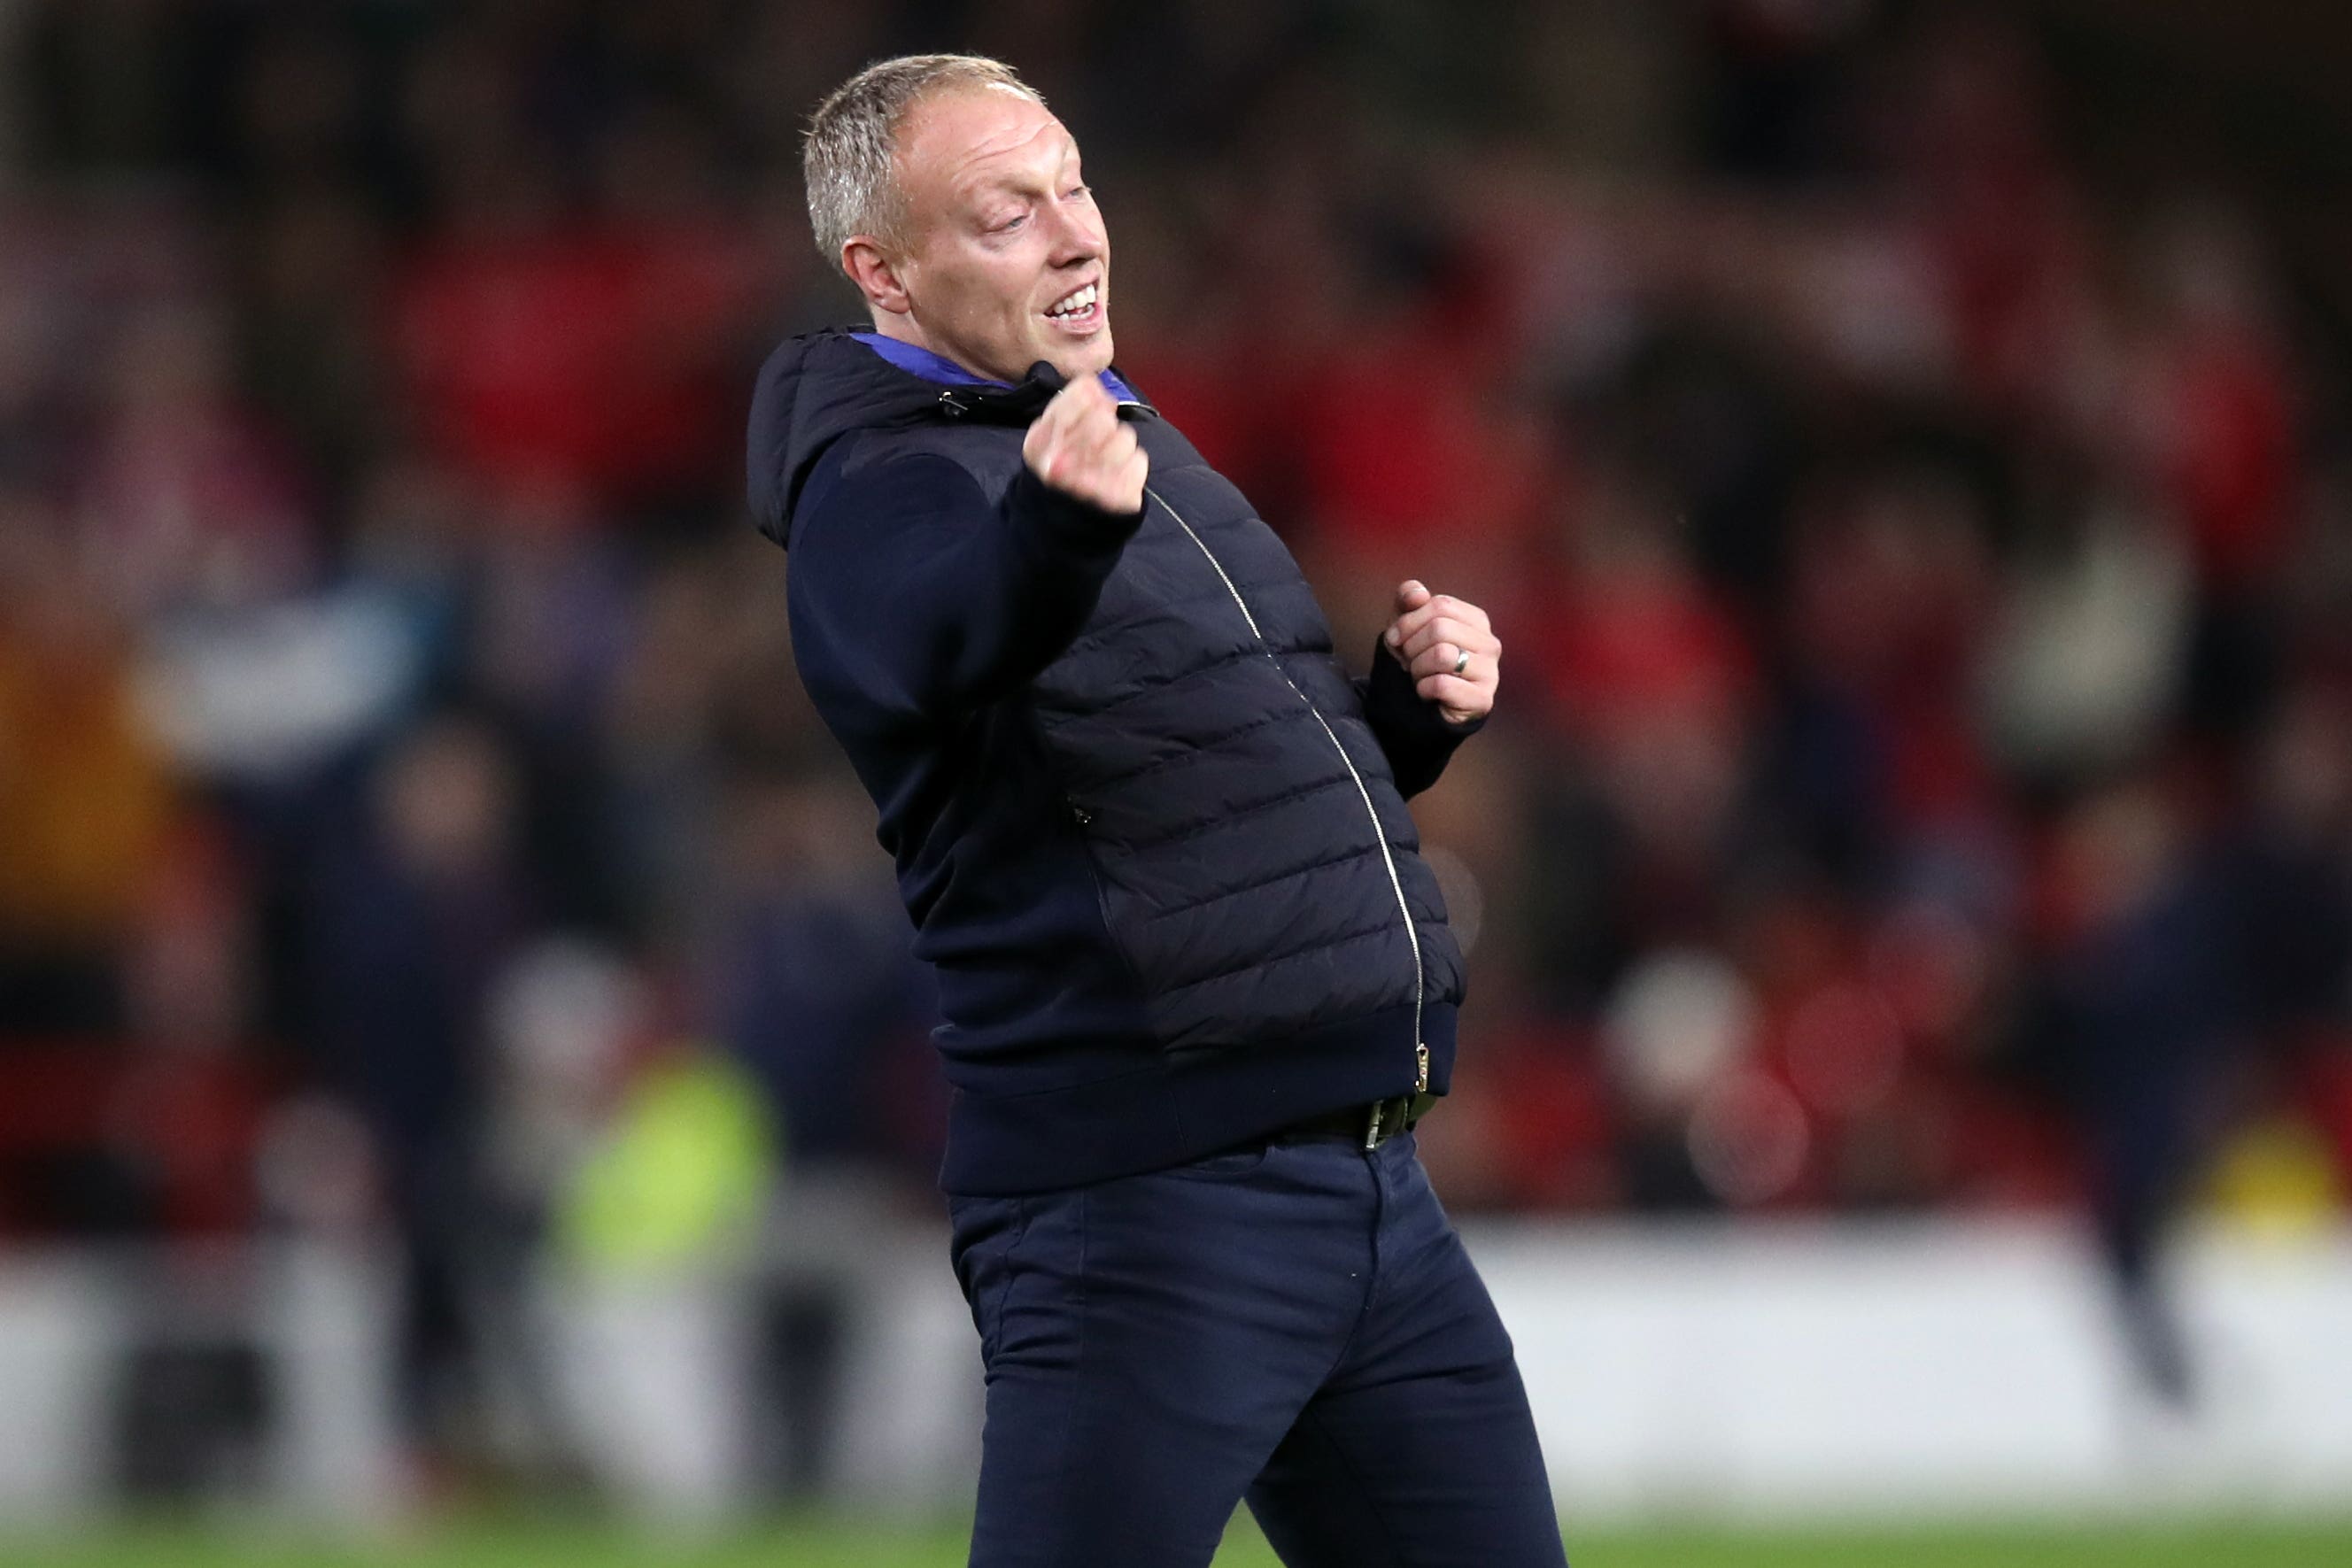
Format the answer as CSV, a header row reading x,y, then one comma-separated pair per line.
x,y
1075,237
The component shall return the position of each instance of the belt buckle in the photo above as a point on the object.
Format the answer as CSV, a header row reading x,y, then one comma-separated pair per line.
x,y
1385,1120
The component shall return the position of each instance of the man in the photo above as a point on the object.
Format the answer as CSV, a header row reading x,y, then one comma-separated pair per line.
x,y
1197,982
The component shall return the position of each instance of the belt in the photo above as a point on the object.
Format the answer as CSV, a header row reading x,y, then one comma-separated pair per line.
x,y
1371,1125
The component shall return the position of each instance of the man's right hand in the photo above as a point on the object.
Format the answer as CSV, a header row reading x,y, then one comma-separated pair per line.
x,y
1080,447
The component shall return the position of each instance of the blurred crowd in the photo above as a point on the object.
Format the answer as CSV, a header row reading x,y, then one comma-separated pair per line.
x,y
1922,779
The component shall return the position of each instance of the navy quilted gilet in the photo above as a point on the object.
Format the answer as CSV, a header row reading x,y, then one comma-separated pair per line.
x,y
1147,828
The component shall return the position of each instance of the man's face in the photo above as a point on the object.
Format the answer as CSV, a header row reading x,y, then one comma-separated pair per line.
x,y
1002,237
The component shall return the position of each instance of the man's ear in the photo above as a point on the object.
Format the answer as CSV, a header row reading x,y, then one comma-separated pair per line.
x,y
876,275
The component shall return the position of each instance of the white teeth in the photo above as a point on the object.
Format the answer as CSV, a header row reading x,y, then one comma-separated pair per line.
x,y
1073,303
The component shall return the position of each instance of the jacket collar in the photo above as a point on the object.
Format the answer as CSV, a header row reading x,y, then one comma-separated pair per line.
x,y
965,393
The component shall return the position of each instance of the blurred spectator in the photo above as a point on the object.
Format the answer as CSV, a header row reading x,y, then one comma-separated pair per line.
x,y
2141,1016
84,801
817,983
417,902
183,501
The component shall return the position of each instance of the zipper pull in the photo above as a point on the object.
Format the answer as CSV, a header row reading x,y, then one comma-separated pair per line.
x,y
953,405
1421,1065
1079,814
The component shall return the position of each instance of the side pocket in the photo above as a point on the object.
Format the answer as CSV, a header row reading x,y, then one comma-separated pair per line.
x,y
1081,820
1226,1165
986,1233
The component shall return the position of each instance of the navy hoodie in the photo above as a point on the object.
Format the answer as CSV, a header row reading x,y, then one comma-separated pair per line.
x,y
1152,835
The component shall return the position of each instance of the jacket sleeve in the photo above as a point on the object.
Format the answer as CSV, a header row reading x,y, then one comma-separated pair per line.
x,y
913,595
1416,737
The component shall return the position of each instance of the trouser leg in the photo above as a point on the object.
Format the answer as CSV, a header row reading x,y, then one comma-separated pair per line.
x,y
1419,1450
1148,1343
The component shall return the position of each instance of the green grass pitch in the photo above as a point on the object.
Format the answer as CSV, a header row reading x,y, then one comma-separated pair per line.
x,y
525,1544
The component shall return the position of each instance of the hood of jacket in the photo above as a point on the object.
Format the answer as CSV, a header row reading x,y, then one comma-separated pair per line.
x,y
821,386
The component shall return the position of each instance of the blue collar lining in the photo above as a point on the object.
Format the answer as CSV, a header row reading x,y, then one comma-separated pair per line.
x,y
931,367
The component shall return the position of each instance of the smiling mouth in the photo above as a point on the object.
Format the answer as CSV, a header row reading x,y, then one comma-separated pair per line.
x,y
1079,310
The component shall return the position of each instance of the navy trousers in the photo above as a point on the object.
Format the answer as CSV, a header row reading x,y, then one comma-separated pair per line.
x,y
1294,1323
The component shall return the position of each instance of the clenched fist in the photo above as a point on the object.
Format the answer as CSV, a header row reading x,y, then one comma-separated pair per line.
x,y
1081,447
1446,644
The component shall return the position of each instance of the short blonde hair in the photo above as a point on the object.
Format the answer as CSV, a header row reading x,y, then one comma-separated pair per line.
x,y
848,160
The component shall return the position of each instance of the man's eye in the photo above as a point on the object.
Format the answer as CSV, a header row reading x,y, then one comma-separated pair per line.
x,y
1006,226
